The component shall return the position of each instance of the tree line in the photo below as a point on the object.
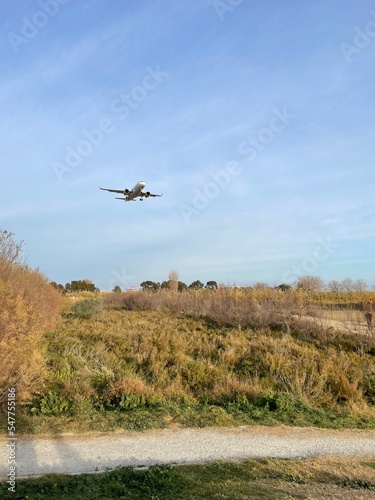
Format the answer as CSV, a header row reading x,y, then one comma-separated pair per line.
x,y
179,286
85,285
306,283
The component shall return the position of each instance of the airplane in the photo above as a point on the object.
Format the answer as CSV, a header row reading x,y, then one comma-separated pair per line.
x,y
131,194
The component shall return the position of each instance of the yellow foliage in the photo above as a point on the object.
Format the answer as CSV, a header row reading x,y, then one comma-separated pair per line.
x,y
28,306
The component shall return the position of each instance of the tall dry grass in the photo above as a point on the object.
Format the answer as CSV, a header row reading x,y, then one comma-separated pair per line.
x,y
225,307
28,306
131,356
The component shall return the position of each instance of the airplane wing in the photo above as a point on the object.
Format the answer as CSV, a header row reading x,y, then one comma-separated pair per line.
x,y
146,195
120,191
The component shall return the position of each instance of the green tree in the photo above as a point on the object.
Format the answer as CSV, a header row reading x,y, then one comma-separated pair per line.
x,y
81,286
149,285
117,289
196,285
284,287
182,286
211,285
58,286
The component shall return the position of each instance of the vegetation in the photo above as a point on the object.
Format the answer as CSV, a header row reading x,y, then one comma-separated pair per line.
x,y
86,309
149,285
306,283
75,286
225,357
175,285
310,283
266,479
28,306
196,285
209,356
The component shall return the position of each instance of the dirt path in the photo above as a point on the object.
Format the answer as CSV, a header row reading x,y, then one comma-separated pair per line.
x,y
354,325
97,452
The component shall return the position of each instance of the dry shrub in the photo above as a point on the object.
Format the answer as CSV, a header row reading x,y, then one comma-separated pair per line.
x,y
132,301
232,388
239,308
126,359
132,384
314,364
130,392
86,309
315,376
28,306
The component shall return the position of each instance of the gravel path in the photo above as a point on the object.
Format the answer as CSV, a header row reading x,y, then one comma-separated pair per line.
x,y
353,326
97,452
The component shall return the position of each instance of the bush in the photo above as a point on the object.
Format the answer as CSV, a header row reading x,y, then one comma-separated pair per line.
x,y
134,301
238,308
50,404
28,306
86,309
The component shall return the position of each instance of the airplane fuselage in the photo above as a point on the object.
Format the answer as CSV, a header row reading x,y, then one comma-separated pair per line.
x,y
136,191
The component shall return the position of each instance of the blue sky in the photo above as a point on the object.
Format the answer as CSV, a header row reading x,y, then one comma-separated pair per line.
x,y
254,119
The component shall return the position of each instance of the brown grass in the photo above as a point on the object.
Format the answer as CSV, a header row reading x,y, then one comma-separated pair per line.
x,y
159,355
28,306
225,307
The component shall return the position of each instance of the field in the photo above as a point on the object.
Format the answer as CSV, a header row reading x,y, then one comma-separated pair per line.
x,y
226,357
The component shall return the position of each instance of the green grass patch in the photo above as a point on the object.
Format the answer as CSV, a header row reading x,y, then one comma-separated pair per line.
x,y
260,479
180,414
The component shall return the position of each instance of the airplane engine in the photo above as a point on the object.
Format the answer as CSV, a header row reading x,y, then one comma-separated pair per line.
x,y
126,191
147,194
